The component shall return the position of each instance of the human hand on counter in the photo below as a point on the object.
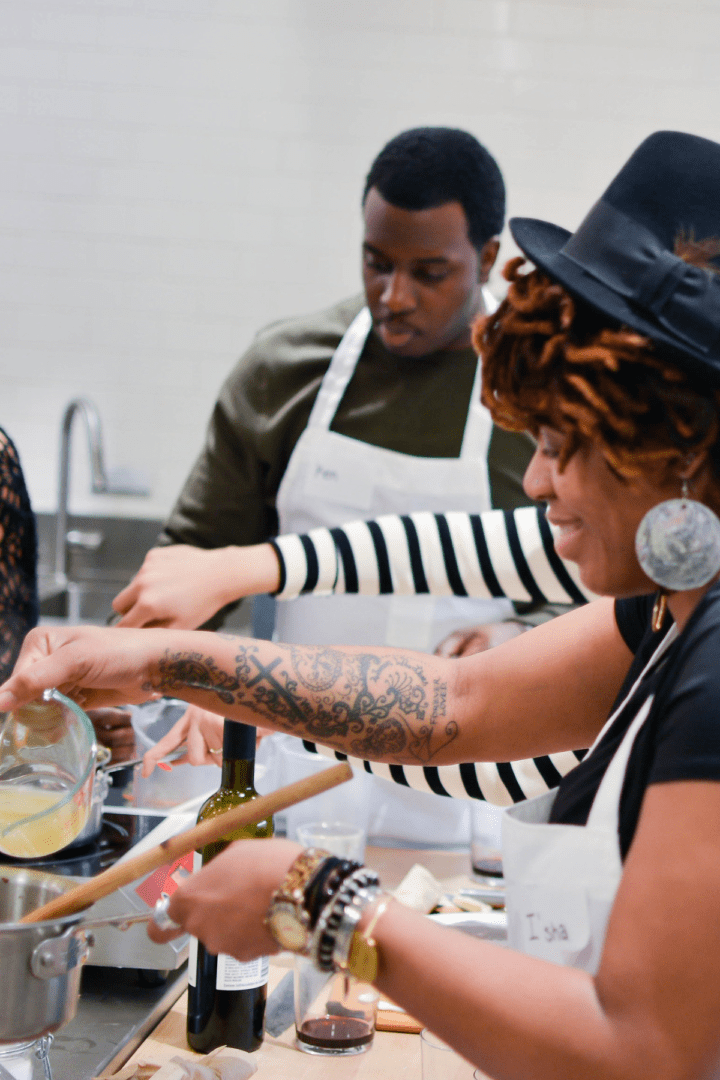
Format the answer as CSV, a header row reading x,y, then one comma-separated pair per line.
x,y
477,639
180,586
113,728
225,904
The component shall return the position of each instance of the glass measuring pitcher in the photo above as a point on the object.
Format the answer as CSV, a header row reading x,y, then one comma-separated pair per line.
x,y
47,766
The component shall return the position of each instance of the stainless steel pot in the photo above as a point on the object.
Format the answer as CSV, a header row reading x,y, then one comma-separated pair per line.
x,y
100,787
41,962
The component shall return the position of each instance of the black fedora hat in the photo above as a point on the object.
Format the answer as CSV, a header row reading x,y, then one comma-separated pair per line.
x,y
621,259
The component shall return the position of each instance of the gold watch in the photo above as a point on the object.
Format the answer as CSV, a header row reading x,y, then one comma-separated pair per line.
x,y
287,920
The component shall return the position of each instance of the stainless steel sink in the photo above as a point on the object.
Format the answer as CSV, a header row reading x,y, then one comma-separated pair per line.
x,y
84,562
88,601
103,555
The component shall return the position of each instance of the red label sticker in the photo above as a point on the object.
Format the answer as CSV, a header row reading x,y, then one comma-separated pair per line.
x,y
165,880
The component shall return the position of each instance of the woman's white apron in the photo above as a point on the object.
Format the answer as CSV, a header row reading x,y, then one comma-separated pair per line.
x,y
332,479
561,880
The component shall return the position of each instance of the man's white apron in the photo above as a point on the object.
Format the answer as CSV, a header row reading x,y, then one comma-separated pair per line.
x,y
332,479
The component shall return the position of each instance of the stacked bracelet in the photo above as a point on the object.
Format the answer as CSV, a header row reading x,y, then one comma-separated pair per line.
x,y
317,909
362,957
357,890
324,884
296,905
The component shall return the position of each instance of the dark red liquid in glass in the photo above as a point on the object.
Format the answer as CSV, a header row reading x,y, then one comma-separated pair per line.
x,y
336,1032
487,869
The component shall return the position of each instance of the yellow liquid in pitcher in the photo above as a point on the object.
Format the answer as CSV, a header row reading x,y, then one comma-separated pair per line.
x,y
47,834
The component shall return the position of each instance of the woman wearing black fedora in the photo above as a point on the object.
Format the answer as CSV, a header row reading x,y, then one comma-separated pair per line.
x,y
608,351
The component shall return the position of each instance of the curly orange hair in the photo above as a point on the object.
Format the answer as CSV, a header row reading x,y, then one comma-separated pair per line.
x,y
549,360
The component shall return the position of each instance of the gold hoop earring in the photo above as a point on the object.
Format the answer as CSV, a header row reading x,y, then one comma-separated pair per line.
x,y
659,611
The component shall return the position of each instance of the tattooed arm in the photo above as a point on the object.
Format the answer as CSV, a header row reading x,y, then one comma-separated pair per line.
x,y
545,691
382,704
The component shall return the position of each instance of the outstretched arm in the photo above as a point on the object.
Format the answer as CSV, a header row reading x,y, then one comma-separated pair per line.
x,y
499,783
495,554
491,555
545,691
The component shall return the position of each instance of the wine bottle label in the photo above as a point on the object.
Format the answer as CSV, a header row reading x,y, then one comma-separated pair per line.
x,y
193,944
234,975
192,961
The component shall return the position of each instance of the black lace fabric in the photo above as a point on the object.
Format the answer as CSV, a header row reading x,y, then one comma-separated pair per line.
x,y
18,557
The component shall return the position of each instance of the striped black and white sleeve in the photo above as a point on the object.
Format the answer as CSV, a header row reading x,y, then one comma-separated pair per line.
x,y
499,553
493,554
500,783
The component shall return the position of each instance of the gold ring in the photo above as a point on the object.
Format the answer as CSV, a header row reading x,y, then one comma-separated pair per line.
x,y
218,751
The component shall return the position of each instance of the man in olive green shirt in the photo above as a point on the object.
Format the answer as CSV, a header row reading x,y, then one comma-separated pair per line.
x,y
408,405
433,208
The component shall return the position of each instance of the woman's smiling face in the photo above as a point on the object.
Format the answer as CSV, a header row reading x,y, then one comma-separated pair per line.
x,y
594,513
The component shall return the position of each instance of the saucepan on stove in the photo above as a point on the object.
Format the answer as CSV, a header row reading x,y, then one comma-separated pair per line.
x,y
42,962
45,936
98,794
100,787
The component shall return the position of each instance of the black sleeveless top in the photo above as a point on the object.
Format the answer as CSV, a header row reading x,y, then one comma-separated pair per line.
x,y
18,557
680,740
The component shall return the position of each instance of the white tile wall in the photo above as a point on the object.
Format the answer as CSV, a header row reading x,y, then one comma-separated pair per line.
x,y
176,173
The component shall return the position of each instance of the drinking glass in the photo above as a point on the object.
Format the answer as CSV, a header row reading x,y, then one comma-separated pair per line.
x,y
440,1061
486,840
290,761
334,1013
338,837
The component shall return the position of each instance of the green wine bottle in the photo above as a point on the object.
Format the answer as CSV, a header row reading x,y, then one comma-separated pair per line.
x,y
226,998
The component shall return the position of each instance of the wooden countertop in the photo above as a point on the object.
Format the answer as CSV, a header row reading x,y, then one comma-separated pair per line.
x,y
393,1055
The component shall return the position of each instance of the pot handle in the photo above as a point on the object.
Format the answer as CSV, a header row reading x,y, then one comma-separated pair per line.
x,y
58,955
117,766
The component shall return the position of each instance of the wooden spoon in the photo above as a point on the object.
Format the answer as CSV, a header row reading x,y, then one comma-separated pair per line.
x,y
122,873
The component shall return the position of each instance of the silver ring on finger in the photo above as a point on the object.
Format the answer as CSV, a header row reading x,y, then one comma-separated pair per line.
x,y
160,915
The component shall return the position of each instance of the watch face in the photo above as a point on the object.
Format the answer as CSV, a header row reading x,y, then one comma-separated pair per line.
x,y
287,929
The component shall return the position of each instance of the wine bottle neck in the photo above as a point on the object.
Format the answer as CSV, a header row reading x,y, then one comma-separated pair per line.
x,y
238,774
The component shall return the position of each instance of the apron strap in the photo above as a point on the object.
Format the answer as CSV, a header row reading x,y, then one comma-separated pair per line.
x,y
340,371
666,641
478,424
605,810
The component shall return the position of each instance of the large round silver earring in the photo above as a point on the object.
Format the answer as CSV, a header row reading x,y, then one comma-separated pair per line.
x,y
678,543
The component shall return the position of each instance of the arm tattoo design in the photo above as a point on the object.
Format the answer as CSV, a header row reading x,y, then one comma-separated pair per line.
x,y
380,708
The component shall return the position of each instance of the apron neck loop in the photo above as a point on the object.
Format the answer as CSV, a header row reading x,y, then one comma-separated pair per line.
x,y
605,810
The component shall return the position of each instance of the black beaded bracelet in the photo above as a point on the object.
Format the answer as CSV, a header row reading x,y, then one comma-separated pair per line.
x,y
324,884
328,924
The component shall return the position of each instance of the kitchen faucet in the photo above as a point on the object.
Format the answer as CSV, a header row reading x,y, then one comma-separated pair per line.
x,y
101,484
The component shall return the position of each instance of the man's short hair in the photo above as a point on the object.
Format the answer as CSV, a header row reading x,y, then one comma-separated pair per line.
x,y
430,166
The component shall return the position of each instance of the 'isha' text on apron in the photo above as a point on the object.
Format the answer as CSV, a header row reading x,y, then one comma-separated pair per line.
x,y
549,919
